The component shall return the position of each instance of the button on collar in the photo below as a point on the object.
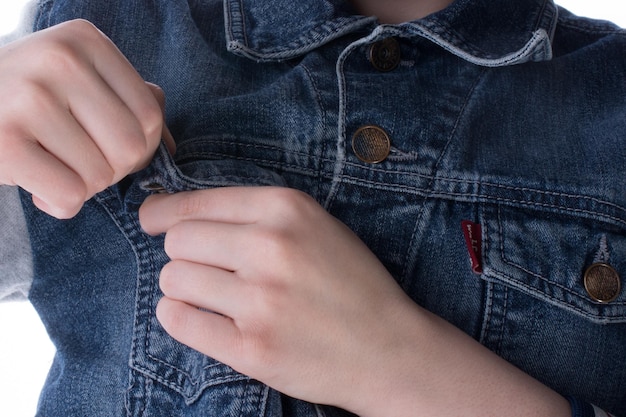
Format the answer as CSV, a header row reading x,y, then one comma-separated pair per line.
x,y
371,144
385,54
602,282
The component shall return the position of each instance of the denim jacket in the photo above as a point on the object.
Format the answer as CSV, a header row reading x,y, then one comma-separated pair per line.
x,y
479,153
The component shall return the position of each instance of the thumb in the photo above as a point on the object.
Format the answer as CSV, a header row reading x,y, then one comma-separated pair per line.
x,y
167,137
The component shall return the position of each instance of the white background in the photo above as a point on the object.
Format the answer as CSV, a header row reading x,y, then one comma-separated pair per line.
x,y
26,352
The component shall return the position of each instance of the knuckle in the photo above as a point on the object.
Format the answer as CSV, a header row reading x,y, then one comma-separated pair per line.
x,y
33,99
175,240
101,179
167,278
73,197
72,201
61,59
290,203
259,350
65,212
171,316
152,124
65,54
158,93
190,204
150,116
131,154
276,243
136,149
79,26
171,241
268,308
83,30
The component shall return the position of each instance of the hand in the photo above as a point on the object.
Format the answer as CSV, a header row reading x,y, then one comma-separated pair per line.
x,y
264,280
303,305
75,118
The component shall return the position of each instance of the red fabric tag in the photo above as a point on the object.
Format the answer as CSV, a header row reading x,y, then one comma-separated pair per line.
x,y
473,239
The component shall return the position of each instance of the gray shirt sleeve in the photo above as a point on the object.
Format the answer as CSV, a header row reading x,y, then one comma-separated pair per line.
x,y
16,270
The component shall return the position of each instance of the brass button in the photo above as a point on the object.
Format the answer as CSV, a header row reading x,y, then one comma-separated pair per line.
x,y
371,144
385,55
602,282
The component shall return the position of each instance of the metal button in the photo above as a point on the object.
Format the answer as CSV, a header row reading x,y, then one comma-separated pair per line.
x,y
602,282
155,187
371,144
385,54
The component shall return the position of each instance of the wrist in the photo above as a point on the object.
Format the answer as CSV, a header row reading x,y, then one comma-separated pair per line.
x,y
391,382
436,369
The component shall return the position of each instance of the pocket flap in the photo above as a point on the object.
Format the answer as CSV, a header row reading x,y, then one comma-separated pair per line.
x,y
546,254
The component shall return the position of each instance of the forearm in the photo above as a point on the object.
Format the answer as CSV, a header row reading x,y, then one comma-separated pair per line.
x,y
435,369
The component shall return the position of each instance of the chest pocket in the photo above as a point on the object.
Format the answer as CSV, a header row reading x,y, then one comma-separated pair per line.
x,y
155,354
575,262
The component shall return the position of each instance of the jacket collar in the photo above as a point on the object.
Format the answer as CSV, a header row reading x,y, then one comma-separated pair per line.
x,y
484,32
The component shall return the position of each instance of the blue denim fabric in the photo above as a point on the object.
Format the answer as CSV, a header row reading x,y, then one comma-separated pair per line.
x,y
505,113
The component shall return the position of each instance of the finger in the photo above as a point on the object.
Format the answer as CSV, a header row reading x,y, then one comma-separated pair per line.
x,y
209,333
167,137
67,193
221,245
58,133
158,94
211,288
118,73
238,205
109,122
